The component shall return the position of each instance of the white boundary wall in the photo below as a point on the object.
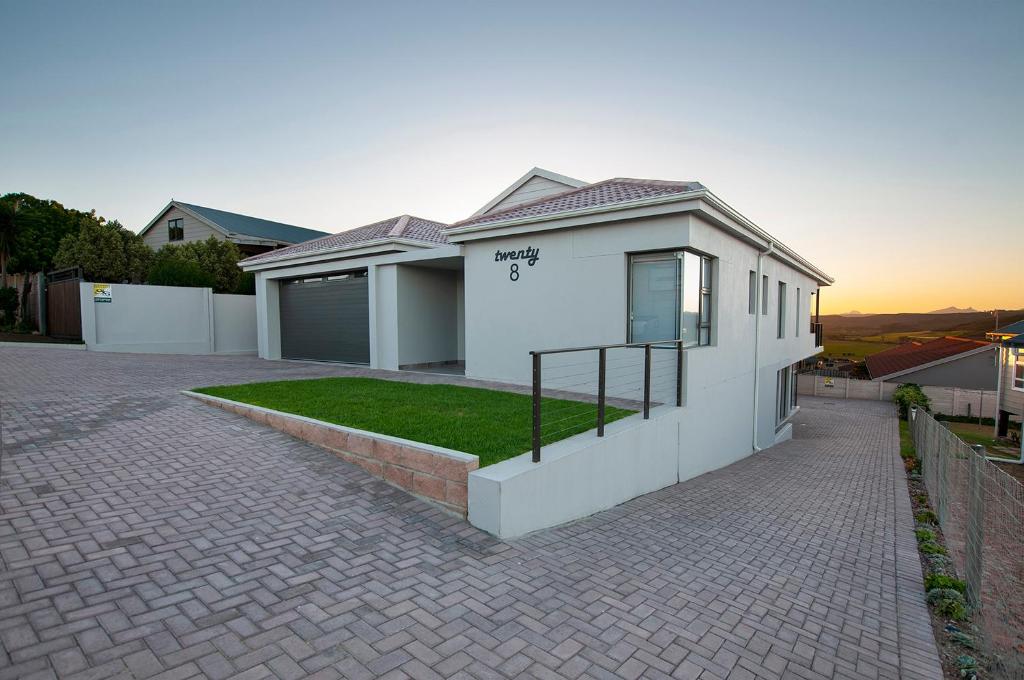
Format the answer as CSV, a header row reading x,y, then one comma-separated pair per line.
x,y
950,401
168,320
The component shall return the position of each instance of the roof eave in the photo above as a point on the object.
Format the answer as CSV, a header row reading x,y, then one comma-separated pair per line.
x,y
270,262
761,237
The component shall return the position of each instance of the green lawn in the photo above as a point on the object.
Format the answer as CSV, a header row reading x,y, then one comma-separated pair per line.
x,y
854,349
490,424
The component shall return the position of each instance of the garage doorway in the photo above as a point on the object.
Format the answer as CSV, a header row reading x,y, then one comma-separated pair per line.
x,y
326,318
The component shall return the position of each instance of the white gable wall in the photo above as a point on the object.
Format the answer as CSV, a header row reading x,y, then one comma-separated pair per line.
x,y
195,230
535,188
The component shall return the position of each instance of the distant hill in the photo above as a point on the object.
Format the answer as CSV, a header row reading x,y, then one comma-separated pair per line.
x,y
964,323
854,312
955,310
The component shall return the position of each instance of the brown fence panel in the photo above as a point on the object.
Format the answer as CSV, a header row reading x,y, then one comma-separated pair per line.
x,y
64,309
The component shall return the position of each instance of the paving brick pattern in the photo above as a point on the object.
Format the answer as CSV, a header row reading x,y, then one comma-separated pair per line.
x,y
146,535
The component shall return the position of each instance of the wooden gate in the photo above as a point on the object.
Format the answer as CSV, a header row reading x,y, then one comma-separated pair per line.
x,y
64,304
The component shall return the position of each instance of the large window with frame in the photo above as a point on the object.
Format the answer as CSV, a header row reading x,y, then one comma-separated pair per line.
x,y
1018,369
176,229
670,297
785,393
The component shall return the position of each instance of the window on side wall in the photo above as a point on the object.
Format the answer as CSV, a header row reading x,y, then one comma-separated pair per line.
x,y
1018,370
764,295
752,293
176,229
782,309
796,313
785,393
670,297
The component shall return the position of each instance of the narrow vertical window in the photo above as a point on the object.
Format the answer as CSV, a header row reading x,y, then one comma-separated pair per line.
x,y
752,293
796,312
764,295
782,309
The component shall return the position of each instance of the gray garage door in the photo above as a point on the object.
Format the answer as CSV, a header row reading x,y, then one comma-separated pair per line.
x,y
327,319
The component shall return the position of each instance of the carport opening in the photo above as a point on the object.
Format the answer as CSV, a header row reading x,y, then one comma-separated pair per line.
x,y
431,316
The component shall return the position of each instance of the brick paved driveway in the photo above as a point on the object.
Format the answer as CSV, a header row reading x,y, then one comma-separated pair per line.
x,y
144,535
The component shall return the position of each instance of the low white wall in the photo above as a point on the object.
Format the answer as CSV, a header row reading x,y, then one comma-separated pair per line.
x,y
950,401
234,324
168,320
577,476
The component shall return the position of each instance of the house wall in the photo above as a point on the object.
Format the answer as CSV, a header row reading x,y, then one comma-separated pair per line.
x,y
1010,400
974,372
581,275
168,320
952,401
194,229
427,315
534,188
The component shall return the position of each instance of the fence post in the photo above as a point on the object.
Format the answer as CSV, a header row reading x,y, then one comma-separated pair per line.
x,y
536,408
647,381
975,529
602,356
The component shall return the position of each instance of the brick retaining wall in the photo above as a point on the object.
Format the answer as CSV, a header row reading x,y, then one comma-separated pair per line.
x,y
430,472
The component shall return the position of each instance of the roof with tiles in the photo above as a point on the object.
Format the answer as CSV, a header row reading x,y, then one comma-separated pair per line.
x,y
400,227
245,225
600,194
913,354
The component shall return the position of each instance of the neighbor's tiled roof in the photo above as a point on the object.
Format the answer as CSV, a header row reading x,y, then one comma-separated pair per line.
x,y
600,194
402,226
912,354
1015,328
243,225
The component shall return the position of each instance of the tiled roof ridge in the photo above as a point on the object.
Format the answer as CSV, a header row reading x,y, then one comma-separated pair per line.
x,y
400,225
536,201
497,216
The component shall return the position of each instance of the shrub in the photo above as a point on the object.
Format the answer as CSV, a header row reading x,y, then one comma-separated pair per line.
x,y
175,272
944,582
948,603
8,304
931,548
925,535
219,259
908,395
939,564
926,517
246,284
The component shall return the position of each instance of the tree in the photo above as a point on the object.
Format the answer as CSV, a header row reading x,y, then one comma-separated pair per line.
x,y
106,253
175,271
31,230
213,256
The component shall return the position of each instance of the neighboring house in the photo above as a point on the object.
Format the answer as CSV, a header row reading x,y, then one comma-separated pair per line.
x,y
1011,377
553,262
182,222
943,362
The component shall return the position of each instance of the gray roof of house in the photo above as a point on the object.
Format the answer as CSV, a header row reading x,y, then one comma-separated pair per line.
x,y
254,226
1016,327
404,227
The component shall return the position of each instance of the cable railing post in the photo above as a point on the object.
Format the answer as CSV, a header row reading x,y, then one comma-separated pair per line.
x,y
679,373
647,381
536,407
602,360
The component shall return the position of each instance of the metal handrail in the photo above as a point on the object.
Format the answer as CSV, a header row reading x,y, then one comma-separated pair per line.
x,y
602,362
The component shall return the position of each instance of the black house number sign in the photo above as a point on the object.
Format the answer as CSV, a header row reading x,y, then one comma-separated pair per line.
x,y
529,255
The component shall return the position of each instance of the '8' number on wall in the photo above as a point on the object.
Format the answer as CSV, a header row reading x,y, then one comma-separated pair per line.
x,y
514,272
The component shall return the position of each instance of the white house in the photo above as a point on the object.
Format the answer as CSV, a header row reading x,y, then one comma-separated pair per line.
x,y
553,262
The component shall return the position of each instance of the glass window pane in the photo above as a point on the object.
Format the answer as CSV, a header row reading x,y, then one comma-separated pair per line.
x,y
705,308
691,298
706,272
705,336
654,306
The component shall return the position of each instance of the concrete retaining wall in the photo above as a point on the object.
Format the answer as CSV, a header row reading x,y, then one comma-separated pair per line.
x,y
950,401
168,320
432,473
577,476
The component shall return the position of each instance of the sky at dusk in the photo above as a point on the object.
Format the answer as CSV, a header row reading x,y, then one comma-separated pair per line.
x,y
882,141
